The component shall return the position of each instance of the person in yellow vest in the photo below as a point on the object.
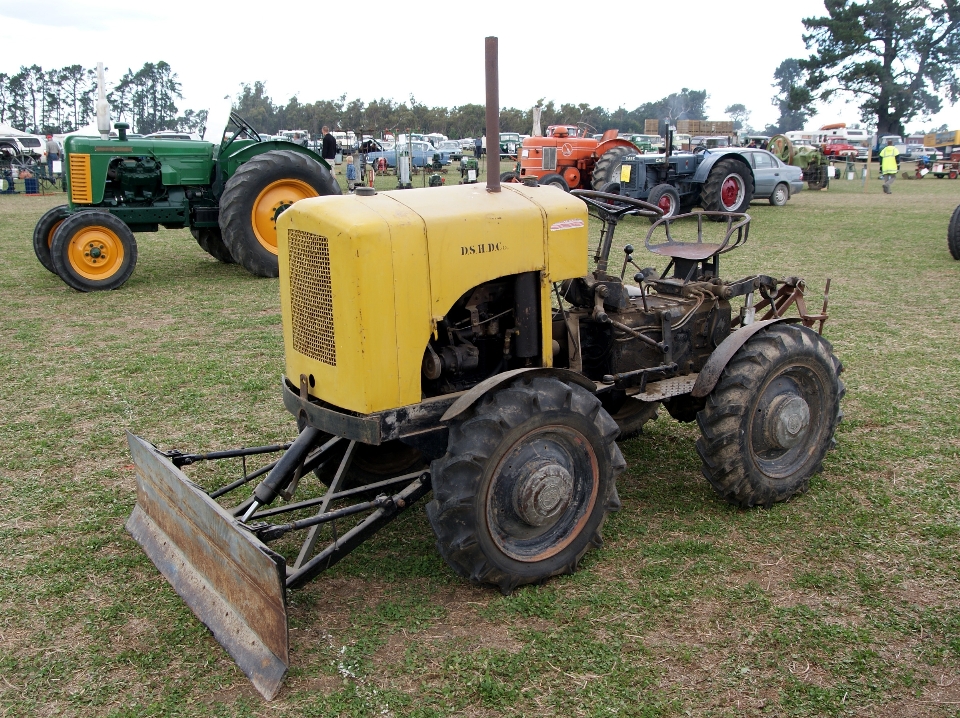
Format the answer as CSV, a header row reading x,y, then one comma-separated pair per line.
x,y
889,164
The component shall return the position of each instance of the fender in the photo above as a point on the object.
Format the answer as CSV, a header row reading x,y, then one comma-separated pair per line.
x,y
477,392
710,374
616,142
711,158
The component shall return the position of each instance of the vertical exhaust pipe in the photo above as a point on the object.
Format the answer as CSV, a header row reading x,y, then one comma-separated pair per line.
x,y
493,113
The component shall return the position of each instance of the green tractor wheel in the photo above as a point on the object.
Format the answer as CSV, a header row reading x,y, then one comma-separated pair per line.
x,y
256,195
43,234
782,147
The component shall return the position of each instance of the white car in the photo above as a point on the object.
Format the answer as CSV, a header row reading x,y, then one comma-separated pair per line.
x,y
173,135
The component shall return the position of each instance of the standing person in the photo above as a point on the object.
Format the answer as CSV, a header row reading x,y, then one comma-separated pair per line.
x,y
329,151
889,164
477,147
351,173
53,153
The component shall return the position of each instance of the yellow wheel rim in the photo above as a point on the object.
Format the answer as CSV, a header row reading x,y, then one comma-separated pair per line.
x,y
273,200
95,253
50,233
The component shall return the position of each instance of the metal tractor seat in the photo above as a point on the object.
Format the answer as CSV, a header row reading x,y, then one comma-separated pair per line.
x,y
695,260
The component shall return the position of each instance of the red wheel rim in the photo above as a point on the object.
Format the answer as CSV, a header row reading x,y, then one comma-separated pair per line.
x,y
731,192
666,204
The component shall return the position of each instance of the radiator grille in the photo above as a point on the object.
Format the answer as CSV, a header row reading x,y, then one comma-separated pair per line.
x,y
311,298
81,189
549,158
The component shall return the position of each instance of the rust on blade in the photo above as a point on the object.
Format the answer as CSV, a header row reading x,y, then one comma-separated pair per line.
x,y
229,579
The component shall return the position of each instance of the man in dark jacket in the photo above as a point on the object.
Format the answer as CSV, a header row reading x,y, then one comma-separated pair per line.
x,y
329,150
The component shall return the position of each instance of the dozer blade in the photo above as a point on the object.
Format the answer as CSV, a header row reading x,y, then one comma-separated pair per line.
x,y
229,579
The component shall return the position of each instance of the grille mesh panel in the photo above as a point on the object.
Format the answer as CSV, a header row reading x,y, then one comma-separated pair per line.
x,y
81,189
311,298
549,158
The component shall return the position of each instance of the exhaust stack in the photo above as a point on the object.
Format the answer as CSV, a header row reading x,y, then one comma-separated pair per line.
x,y
493,112
103,107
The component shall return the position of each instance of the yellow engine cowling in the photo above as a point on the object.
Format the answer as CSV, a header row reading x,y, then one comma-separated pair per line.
x,y
365,279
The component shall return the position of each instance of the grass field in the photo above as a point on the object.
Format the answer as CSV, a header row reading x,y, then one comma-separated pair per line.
x,y
843,602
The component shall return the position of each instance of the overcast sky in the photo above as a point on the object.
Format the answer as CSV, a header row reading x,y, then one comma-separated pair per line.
x,y
610,54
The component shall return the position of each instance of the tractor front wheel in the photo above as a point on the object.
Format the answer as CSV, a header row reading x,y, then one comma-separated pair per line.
x,y
632,416
43,234
259,191
93,251
509,178
666,198
953,234
554,180
772,417
526,483
211,241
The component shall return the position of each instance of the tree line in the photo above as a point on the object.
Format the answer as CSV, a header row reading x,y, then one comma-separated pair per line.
x,y
63,100
255,105
898,59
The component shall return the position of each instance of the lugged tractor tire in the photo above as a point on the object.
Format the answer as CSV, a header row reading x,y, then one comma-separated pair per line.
x,y
211,241
605,170
953,234
254,197
665,197
43,234
554,180
772,417
93,251
509,177
632,416
610,188
528,478
719,195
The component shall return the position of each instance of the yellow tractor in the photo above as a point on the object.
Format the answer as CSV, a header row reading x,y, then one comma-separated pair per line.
x,y
456,341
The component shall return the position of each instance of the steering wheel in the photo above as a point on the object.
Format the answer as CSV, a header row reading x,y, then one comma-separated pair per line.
x,y
241,124
616,206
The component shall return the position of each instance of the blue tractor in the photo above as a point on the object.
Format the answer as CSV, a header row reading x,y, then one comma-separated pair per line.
x,y
716,180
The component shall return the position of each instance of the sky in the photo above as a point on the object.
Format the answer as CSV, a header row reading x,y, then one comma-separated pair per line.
x,y
610,54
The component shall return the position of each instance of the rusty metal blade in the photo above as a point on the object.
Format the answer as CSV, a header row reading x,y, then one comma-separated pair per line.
x,y
232,582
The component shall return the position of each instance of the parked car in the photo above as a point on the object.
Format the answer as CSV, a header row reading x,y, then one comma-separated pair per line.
x,y
467,143
773,179
421,154
25,149
451,148
509,144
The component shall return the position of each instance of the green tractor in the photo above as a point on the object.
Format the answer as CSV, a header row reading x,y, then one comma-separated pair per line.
x,y
229,195
809,158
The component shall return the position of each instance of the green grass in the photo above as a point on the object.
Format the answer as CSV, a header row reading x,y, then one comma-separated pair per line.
x,y
845,601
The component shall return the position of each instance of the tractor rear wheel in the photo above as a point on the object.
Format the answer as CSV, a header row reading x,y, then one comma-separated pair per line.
x,y
528,478
259,191
93,251
606,169
211,241
555,180
43,234
729,188
953,234
772,417
666,198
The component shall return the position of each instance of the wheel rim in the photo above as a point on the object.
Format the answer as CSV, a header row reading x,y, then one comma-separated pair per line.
x,y
667,204
542,492
731,192
95,253
50,233
271,203
780,195
787,422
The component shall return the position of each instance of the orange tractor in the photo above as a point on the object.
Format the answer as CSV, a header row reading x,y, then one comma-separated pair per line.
x,y
570,159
